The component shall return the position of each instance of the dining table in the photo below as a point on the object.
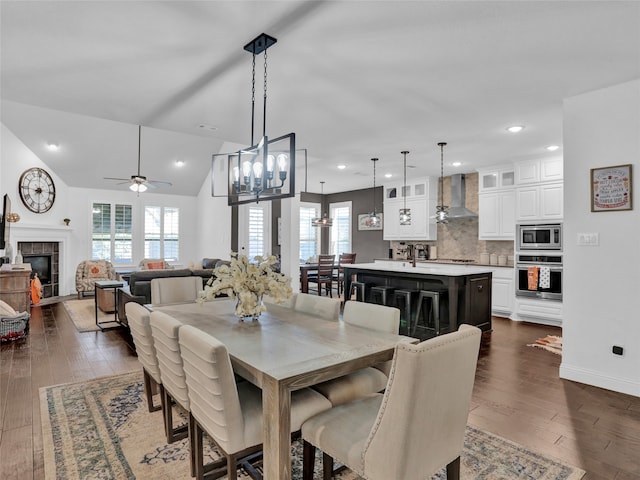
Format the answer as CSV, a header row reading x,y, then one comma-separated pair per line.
x,y
285,350
305,269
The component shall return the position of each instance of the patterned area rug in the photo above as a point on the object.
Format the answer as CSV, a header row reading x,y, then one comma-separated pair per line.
x,y
83,316
550,343
101,429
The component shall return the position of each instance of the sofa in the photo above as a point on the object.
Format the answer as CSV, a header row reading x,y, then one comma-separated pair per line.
x,y
139,288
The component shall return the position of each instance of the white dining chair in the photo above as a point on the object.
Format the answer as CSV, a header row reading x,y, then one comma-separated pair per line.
x,y
164,329
323,307
368,380
175,289
140,328
229,412
416,428
288,303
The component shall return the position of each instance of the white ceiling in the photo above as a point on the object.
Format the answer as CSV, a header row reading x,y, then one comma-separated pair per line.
x,y
352,79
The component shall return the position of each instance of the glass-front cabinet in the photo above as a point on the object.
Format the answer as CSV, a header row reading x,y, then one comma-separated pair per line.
x,y
495,178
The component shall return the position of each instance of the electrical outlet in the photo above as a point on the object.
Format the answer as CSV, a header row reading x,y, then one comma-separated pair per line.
x,y
588,239
617,350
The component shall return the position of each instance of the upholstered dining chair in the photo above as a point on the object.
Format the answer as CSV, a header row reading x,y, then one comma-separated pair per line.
x,y
288,303
138,317
229,412
175,289
173,389
324,277
343,259
368,380
416,427
322,307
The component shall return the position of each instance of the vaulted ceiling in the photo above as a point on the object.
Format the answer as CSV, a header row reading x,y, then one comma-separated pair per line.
x,y
353,79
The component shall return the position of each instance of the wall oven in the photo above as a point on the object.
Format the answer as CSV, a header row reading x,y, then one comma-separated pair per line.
x,y
539,237
539,276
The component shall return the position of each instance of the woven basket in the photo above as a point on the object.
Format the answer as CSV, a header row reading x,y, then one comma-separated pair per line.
x,y
13,328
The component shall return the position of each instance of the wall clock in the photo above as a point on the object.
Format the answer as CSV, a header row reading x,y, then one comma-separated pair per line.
x,y
37,190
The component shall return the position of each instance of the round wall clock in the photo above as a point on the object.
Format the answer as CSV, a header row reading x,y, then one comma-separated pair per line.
x,y
37,190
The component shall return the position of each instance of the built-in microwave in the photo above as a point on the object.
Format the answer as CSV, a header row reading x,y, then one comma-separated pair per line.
x,y
546,236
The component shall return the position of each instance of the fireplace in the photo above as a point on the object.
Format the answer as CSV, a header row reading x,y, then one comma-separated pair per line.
x,y
44,258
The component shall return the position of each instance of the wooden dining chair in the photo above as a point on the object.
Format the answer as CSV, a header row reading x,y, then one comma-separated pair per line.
x,y
416,427
368,380
229,412
324,277
343,259
138,317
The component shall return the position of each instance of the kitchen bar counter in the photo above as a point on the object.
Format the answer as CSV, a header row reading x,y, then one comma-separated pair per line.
x,y
468,286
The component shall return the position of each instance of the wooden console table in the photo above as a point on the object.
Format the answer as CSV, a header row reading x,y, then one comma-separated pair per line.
x,y
15,286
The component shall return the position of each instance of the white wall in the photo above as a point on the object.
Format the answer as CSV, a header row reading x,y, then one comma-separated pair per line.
x,y
601,283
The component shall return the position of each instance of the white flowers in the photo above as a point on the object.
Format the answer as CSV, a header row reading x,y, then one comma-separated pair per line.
x,y
247,282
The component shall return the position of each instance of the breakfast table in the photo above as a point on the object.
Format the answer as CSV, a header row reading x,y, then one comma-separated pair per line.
x,y
283,351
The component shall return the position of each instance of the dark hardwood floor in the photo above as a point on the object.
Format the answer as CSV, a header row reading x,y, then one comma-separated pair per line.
x,y
517,395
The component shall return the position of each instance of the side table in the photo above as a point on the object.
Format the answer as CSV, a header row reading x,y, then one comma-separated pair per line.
x,y
107,285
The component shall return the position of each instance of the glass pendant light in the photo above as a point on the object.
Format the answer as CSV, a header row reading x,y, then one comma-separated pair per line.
x,y
374,219
324,220
442,210
405,213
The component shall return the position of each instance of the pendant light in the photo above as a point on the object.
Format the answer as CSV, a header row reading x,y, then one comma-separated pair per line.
x,y
405,213
374,219
323,221
442,211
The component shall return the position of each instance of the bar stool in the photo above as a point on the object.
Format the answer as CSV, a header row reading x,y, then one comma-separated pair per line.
x,y
360,290
431,322
381,293
406,308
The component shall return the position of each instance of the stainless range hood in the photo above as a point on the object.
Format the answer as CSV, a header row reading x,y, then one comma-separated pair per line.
x,y
458,197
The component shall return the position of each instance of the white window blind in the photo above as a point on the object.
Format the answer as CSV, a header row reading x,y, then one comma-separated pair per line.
x,y
309,235
256,231
161,232
111,235
341,229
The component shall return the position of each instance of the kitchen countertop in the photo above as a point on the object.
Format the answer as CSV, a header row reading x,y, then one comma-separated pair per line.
x,y
427,268
442,262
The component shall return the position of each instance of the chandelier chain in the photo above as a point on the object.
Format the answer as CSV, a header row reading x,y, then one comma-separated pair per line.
x,y
253,94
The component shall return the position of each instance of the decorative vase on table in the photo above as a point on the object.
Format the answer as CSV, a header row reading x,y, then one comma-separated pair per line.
x,y
246,282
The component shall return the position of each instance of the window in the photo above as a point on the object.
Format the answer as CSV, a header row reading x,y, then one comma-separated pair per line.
x,y
309,235
254,229
161,232
111,234
341,229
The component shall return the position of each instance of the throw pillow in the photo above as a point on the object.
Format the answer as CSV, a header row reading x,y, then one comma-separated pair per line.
x,y
96,269
155,265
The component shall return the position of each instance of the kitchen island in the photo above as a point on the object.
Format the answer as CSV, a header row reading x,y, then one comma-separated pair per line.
x,y
468,287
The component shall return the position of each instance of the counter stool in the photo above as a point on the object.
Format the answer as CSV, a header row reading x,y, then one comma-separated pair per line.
x,y
381,293
404,300
431,321
360,290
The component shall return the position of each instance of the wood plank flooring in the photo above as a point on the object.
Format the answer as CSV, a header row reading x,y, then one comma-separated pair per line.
x,y
517,395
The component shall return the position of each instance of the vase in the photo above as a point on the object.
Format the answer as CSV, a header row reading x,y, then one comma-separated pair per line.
x,y
248,307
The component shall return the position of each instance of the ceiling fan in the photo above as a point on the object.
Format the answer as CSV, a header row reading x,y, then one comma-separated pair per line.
x,y
139,183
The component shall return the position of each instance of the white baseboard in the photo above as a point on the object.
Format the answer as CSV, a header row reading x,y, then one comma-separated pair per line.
x,y
597,379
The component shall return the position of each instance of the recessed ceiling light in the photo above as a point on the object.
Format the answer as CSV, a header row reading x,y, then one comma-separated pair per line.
x,y
179,163
515,128
341,167
456,164
387,175
553,148
53,146
204,126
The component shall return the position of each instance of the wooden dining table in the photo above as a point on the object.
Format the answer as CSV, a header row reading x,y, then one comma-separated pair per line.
x,y
285,350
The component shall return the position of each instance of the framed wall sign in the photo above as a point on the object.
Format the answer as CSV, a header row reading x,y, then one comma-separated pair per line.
x,y
611,188
365,224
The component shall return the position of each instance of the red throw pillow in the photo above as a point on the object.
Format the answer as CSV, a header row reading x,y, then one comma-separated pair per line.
x,y
155,266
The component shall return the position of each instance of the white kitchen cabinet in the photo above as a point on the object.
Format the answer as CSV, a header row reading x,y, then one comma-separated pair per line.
x,y
496,178
420,200
497,215
547,312
537,171
540,202
551,169
527,172
502,291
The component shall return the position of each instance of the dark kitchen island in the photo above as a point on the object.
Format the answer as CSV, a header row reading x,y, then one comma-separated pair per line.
x,y
468,287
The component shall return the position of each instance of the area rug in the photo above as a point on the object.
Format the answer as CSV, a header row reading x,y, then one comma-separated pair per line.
x,y
550,343
83,315
101,429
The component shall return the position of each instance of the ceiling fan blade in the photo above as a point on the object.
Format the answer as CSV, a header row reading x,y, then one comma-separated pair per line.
x,y
159,183
121,179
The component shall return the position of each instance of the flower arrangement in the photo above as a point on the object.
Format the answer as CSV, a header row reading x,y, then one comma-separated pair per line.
x,y
247,282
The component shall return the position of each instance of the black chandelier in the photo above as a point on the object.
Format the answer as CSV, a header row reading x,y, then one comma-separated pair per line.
x,y
374,219
266,170
324,220
405,213
442,210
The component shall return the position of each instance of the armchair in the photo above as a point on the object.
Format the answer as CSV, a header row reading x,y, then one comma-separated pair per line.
x,y
88,271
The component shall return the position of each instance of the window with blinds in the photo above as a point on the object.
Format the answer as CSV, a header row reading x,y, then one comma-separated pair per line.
x,y
256,231
309,235
111,234
161,232
341,229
